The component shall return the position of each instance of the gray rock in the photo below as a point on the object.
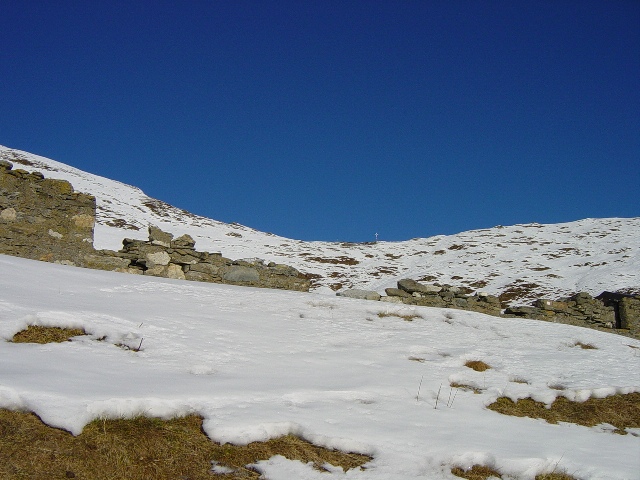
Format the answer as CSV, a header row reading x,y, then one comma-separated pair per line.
x,y
411,286
198,276
205,268
157,258
101,262
175,271
184,241
360,294
392,299
158,237
242,274
396,292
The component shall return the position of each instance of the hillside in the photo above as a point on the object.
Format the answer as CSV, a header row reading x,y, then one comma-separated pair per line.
x,y
522,262
419,392
396,383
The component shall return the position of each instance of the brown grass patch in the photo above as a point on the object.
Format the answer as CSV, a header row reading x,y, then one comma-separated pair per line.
x,y
38,334
482,472
621,411
555,476
477,365
517,379
463,386
477,472
141,448
409,317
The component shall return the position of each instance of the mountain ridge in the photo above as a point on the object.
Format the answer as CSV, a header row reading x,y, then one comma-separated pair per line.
x,y
520,262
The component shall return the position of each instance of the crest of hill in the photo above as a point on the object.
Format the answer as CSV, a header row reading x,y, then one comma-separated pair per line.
x,y
520,262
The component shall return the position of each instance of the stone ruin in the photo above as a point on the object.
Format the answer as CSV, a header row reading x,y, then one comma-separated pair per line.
x,y
45,219
410,292
164,256
609,311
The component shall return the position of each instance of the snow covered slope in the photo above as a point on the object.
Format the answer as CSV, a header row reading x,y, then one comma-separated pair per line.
x,y
526,261
260,363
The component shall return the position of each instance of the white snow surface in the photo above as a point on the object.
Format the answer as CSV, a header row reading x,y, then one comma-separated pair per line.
x,y
259,363
531,260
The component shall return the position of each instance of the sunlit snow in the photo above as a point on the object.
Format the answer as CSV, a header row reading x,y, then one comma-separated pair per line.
x,y
557,260
258,363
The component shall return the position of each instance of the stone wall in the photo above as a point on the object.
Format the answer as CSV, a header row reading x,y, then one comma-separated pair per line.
x,y
583,310
580,309
410,292
45,219
164,256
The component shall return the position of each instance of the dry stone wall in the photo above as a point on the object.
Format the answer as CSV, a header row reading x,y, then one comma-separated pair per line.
x,y
164,256
614,312
45,219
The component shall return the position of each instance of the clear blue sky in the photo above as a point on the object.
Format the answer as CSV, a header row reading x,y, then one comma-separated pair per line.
x,y
337,119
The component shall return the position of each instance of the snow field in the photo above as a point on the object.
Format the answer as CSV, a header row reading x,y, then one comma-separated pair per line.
x,y
257,364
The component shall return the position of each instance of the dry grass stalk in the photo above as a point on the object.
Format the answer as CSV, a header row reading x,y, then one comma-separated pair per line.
x,y
38,334
141,448
477,365
621,411
407,316
463,386
555,476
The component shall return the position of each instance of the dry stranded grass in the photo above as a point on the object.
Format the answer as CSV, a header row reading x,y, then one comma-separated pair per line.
x,y
477,365
463,386
621,411
482,472
409,317
37,334
141,448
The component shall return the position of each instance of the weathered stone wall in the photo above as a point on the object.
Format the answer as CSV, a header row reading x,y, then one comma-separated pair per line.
x,y
164,256
43,219
630,315
583,310
410,292
580,309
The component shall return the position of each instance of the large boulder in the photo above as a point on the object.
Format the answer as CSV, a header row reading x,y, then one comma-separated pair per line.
x,y
360,294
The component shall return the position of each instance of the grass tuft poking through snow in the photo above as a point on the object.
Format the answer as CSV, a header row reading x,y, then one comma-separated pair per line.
x,y
142,447
463,386
38,334
621,411
482,472
409,317
477,472
477,365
